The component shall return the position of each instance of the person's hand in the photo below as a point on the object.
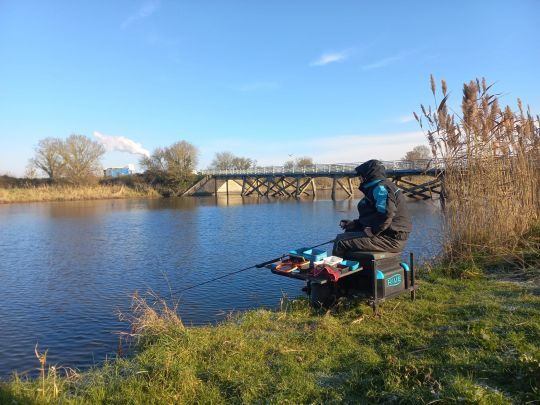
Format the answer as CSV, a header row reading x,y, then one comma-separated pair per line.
x,y
368,232
344,223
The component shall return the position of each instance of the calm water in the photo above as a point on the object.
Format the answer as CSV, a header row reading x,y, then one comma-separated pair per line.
x,y
66,269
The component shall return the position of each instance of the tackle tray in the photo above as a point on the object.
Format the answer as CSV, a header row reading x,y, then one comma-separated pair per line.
x,y
304,275
313,255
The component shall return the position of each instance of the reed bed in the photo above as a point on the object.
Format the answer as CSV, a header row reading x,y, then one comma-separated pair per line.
x,y
72,193
491,182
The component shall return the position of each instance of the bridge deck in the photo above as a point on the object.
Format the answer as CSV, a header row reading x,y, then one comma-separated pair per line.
x,y
262,172
292,181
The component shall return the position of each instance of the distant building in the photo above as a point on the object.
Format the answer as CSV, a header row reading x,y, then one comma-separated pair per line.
x,y
119,171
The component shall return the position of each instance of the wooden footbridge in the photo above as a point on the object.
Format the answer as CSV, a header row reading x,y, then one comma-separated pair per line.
x,y
421,179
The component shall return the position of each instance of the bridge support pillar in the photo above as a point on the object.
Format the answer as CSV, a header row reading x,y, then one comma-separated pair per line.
x,y
421,190
243,186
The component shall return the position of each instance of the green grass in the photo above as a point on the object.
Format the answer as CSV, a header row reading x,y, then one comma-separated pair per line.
x,y
473,340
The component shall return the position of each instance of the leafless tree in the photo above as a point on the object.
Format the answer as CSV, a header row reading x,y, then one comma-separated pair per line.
x,y
30,171
299,162
48,157
222,161
227,160
243,163
419,152
181,159
81,158
175,162
155,163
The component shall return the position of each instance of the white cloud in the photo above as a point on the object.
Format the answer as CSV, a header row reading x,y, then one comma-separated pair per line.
x,y
121,144
330,57
358,148
406,118
332,149
145,10
382,63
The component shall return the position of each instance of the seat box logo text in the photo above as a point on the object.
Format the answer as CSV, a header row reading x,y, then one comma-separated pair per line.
x,y
394,280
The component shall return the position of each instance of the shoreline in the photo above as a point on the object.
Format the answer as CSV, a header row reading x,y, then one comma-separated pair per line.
x,y
470,339
59,194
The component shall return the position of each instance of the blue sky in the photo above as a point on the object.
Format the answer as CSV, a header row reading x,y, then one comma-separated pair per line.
x,y
336,80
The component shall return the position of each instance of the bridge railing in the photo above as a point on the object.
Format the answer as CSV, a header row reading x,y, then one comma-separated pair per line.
x,y
336,168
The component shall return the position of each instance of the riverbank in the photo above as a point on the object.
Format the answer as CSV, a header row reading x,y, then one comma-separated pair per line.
x,y
474,340
73,193
19,190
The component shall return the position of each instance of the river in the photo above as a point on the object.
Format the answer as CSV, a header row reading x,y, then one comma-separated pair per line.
x,y
68,268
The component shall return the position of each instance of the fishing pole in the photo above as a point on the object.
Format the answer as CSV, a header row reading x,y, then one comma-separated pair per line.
x,y
258,266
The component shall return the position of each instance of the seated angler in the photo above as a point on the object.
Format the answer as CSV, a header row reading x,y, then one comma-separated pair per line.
x,y
383,224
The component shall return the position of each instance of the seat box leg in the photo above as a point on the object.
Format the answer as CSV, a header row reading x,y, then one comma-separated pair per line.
x,y
321,295
413,291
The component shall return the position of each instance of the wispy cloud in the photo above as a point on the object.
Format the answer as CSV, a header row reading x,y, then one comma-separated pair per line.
x,y
121,144
330,149
257,86
358,148
383,62
406,118
145,10
331,57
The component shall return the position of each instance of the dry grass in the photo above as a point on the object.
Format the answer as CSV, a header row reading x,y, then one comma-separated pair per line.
x,y
491,177
71,193
151,316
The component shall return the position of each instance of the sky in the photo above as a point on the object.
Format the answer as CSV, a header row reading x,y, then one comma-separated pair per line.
x,y
270,80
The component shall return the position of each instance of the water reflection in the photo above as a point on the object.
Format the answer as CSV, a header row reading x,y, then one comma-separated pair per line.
x,y
67,268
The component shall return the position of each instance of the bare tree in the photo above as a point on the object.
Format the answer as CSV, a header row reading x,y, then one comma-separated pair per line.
x,y
82,158
175,162
222,161
243,163
419,152
299,162
181,159
155,163
48,157
30,171
227,160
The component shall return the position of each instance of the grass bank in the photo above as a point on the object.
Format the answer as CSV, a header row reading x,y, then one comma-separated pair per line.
x,y
473,340
71,193
16,190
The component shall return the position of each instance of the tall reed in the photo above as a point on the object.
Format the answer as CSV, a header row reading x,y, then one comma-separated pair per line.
x,y
491,158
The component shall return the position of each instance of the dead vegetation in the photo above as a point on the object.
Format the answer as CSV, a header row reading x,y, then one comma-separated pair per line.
x,y
491,160
72,193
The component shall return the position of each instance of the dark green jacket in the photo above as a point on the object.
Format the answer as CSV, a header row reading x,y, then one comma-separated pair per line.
x,y
383,207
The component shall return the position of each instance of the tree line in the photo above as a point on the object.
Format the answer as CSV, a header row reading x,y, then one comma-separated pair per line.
x,y
77,159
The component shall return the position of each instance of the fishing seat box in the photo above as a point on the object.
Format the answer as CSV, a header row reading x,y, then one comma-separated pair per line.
x,y
382,275
392,275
